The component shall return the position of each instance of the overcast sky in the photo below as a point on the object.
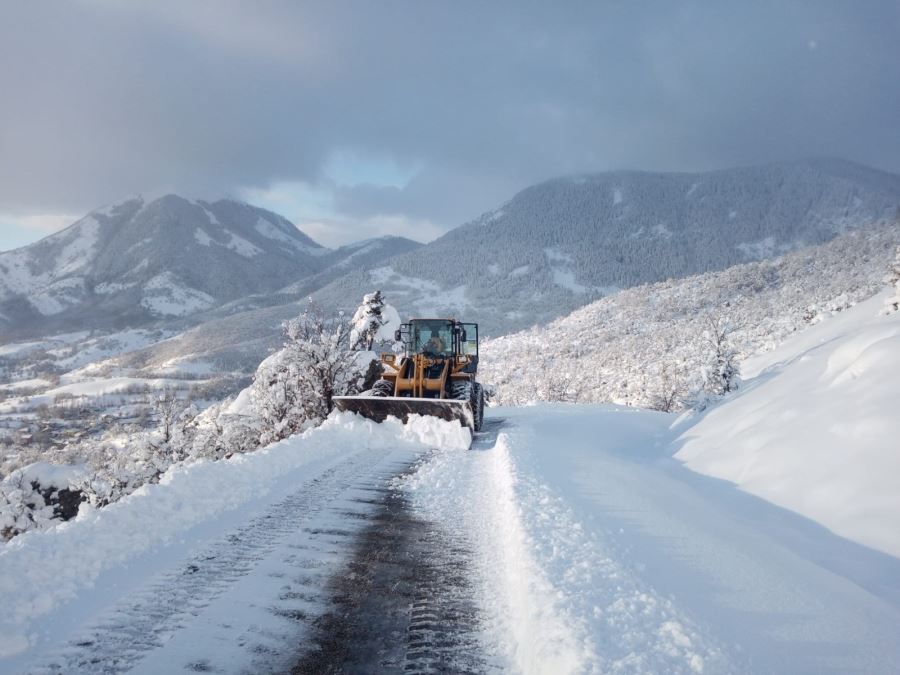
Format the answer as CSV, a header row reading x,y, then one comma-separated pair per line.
x,y
360,119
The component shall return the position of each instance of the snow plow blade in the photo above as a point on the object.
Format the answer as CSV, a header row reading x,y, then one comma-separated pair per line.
x,y
379,408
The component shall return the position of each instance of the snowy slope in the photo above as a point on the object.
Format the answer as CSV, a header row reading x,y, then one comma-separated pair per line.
x,y
561,244
817,430
628,347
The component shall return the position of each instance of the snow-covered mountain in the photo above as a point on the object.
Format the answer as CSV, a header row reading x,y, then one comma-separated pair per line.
x,y
138,261
561,244
361,255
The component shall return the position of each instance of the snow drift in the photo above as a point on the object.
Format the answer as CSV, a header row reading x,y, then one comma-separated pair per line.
x,y
817,430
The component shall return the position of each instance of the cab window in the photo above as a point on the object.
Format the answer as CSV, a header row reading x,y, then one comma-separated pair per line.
x,y
432,337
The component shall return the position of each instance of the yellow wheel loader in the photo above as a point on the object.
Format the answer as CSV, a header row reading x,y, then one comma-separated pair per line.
x,y
434,376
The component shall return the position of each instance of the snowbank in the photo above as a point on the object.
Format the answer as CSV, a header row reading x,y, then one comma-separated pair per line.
x,y
552,598
817,431
475,494
40,571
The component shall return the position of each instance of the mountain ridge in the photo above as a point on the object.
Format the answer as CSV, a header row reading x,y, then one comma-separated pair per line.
x,y
135,262
562,243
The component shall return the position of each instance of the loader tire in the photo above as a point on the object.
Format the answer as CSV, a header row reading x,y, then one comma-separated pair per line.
x,y
477,405
461,391
383,388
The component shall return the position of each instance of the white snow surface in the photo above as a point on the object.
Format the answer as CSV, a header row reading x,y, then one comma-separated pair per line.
x,y
596,551
241,246
47,578
592,550
817,430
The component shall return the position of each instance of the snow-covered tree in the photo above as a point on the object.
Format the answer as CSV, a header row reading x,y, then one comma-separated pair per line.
x,y
720,370
367,321
294,387
669,389
168,407
892,304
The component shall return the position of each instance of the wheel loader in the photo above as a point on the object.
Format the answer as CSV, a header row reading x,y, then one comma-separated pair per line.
x,y
435,375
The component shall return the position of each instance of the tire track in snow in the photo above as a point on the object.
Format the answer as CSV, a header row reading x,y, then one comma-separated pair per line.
x,y
403,604
149,619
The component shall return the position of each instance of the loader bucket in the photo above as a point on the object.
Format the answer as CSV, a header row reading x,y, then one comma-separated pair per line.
x,y
379,408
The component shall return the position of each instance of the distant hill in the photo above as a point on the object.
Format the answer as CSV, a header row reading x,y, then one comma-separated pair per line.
x,y
138,262
566,242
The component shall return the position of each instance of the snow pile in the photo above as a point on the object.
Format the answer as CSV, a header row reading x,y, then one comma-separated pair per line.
x,y
518,603
818,430
39,571
433,432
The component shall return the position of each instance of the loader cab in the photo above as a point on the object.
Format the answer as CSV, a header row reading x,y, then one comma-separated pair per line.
x,y
439,338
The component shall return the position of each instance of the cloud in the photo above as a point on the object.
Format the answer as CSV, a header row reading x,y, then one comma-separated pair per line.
x,y
426,113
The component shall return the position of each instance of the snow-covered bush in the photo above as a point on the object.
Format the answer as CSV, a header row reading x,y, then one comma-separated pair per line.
x,y
220,431
37,497
374,322
669,392
293,388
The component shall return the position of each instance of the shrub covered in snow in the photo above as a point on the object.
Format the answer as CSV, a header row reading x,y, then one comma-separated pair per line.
x,y
294,387
38,496
719,368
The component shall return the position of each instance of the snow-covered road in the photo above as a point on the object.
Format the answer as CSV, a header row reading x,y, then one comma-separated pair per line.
x,y
597,552
222,567
566,540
